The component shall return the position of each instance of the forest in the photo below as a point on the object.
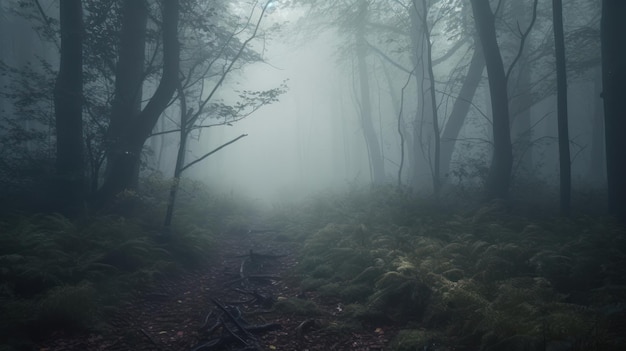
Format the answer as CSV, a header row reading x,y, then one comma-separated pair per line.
x,y
364,175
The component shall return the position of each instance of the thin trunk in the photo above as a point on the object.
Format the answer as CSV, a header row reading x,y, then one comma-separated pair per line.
x,y
180,159
159,156
417,154
613,27
375,155
521,101
597,164
561,80
68,107
433,100
401,130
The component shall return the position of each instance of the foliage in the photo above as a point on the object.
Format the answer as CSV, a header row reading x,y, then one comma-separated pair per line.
x,y
61,274
295,306
482,277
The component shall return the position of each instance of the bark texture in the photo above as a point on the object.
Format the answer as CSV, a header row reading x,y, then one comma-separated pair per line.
x,y
68,107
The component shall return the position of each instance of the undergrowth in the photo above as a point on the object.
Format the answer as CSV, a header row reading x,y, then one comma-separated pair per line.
x,y
485,278
59,274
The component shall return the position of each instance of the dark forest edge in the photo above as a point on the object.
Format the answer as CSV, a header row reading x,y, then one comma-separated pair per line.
x,y
488,276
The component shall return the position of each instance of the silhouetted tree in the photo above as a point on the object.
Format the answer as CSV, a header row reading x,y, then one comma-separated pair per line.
x,y
499,177
561,74
129,125
461,108
68,106
613,27
377,164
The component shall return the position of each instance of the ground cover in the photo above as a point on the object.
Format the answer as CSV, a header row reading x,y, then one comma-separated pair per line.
x,y
364,270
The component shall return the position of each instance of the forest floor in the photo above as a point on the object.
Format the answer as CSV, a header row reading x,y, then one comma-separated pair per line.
x,y
179,311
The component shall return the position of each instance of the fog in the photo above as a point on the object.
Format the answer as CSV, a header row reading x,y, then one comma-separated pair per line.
x,y
294,147
315,138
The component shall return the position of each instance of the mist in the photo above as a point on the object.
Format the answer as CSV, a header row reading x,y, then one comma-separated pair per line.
x,y
294,146
312,175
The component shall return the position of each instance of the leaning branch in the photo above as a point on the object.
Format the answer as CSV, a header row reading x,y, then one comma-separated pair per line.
x,y
46,20
212,152
524,35
230,65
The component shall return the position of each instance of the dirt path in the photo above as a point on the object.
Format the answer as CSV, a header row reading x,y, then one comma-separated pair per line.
x,y
171,317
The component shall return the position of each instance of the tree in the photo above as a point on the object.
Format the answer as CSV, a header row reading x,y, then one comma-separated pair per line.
x,y
561,73
193,86
461,107
499,177
68,108
377,164
433,97
613,44
129,125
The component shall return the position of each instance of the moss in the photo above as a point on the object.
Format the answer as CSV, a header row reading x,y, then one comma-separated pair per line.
x,y
329,290
414,339
454,274
369,275
363,313
309,263
309,284
323,271
297,306
355,293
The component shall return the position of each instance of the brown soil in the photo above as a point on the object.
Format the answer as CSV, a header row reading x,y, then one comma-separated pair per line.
x,y
170,317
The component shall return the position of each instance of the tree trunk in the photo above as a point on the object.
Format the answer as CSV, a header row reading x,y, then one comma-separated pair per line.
x,y
499,177
129,77
377,164
68,108
130,127
561,80
597,164
460,109
520,104
180,159
433,101
418,151
613,27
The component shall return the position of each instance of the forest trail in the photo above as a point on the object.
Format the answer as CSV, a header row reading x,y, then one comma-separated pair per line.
x,y
171,315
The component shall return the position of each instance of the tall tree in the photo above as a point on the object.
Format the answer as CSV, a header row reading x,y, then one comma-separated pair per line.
x,y
561,81
433,98
68,106
130,126
377,164
613,43
499,177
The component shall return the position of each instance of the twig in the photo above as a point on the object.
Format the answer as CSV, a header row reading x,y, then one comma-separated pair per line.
x,y
150,338
231,317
